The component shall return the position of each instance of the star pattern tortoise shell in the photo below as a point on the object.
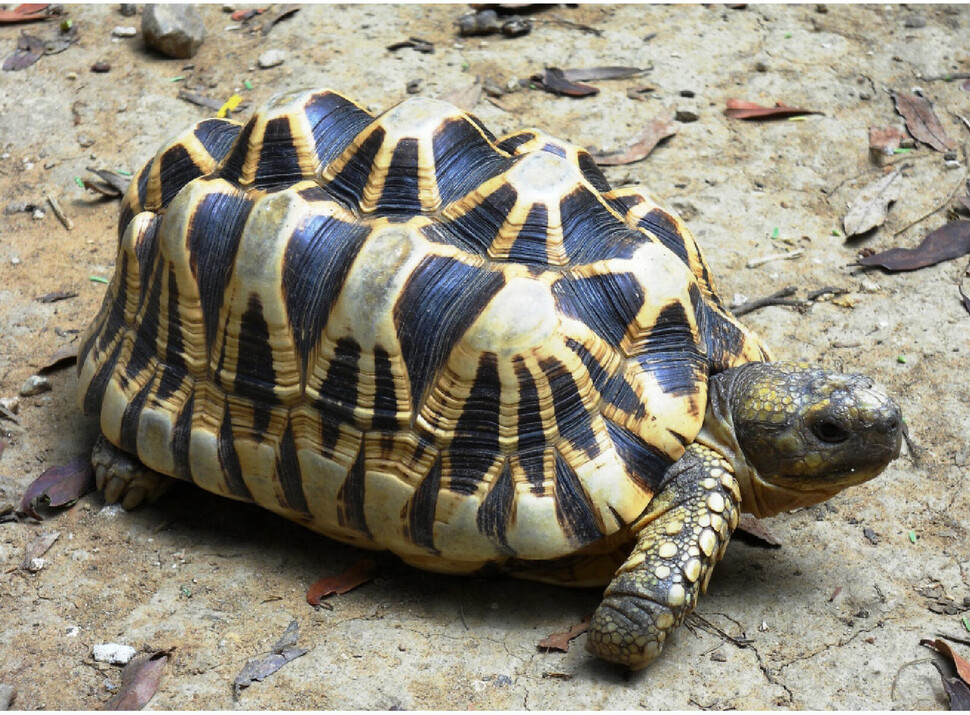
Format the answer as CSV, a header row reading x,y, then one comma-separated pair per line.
x,y
405,333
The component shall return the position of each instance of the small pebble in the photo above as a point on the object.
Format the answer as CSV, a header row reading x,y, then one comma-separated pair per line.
x,y
10,404
271,58
101,67
127,9
73,632
36,564
914,21
113,653
124,31
38,214
15,260
685,116
72,75
174,30
34,385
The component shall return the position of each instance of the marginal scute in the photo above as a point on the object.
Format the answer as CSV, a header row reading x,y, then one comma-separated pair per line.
x,y
407,334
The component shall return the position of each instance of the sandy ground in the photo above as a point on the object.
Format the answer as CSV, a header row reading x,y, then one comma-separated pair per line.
x,y
833,618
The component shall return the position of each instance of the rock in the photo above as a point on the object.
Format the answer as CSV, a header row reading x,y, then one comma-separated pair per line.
x,y
271,58
7,694
35,385
914,21
127,9
113,653
685,115
174,30
124,31
11,404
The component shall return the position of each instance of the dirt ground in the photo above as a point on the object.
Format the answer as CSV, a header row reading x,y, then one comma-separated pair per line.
x,y
833,619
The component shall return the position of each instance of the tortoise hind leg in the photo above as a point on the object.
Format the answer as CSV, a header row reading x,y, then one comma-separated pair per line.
x,y
679,540
123,478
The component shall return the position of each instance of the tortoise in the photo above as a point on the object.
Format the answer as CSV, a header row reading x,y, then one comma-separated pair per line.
x,y
407,334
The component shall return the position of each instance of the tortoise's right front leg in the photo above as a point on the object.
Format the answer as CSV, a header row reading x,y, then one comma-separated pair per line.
x,y
124,478
682,535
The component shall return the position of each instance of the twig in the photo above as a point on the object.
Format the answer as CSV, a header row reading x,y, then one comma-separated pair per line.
x,y
787,256
892,690
199,99
816,294
949,77
777,298
61,216
570,23
705,624
939,208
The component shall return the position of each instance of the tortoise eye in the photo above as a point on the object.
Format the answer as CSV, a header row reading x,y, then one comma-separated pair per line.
x,y
830,431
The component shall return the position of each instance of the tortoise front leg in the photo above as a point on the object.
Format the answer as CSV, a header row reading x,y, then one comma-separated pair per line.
x,y
124,478
680,538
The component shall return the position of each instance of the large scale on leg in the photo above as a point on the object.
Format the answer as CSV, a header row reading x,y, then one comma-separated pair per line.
x,y
408,334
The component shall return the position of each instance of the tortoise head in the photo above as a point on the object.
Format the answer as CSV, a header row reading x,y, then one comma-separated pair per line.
x,y
805,433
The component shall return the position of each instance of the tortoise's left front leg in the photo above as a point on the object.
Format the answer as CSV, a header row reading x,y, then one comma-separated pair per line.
x,y
683,534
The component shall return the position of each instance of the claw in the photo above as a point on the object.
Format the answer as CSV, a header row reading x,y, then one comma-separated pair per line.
x,y
100,473
133,497
114,489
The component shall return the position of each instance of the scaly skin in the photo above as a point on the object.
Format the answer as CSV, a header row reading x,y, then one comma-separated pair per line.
x,y
680,540
124,478
776,436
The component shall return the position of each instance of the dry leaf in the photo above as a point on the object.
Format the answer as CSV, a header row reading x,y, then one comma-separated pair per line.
x,y
284,650
117,181
62,357
950,241
554,80
560,641
871,205
283,12
921,121
943,648
657,130
359,573
29,50
31,12
38,546
741,109
139,681
465,98
757,531
885,141
60,485
595,73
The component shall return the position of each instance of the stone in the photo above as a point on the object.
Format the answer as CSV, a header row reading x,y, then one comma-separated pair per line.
x,y
113,653
34,385
124,31
173,30
271,58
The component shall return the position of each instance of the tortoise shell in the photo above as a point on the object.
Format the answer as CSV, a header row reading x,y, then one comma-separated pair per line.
x,y
405,333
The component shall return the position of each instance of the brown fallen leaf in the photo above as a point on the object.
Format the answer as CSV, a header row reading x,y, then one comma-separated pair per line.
x,y
943,648
755,532
38,546
62,357
115,180
28,12
29,50
60,485
55,296
871,205
417,43
885,140
554,80
139,681
360,573
560,641
949,241
283,651
282,13
957,689
656,131
464,98
742,109
594,73
921,121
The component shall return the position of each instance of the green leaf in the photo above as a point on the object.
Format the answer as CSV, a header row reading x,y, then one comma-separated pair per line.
x,y
912,536
247,84
98,279
774,234
966,623
79,181
901,359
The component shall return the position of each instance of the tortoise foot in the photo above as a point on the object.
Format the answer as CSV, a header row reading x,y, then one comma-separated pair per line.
x,y
123,478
